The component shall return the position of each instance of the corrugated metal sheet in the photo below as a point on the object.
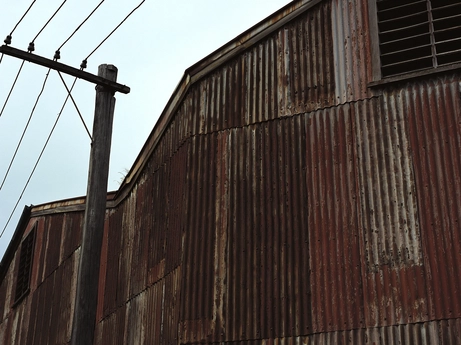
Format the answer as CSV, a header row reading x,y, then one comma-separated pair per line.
x,y
45,315
387,189
289,72
352,50
393,276
334,231
433,109
284,204
429,333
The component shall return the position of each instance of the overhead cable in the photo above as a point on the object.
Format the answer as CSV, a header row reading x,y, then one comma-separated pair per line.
x,y
75,104
84,62
57,54
38,160
10,36
25,129
12,87
31,47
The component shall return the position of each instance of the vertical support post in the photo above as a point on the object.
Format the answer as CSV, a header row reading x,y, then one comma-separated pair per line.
x,y
90,253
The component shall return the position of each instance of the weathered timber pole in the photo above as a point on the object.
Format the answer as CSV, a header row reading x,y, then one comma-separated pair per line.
x,y
86,299
90,253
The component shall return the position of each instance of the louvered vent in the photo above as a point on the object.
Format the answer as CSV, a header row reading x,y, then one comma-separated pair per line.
x,y
418,34
25,266
446,19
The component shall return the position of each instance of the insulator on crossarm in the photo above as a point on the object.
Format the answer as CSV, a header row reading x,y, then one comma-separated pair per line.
x,y
31,47
83,64
8,40
57,55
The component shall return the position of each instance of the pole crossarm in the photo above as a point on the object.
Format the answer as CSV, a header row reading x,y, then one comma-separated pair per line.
x,y
4,49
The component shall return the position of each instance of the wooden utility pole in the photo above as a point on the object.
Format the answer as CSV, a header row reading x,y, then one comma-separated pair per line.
x,y
90,252
86,300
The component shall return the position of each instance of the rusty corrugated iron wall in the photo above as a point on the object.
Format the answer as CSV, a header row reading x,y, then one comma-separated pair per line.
x,y
45,316
285,203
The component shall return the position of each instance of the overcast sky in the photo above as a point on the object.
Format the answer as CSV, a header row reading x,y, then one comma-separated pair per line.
x,y
151,51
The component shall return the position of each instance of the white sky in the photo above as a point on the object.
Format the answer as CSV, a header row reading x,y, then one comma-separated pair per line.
x,y
151,51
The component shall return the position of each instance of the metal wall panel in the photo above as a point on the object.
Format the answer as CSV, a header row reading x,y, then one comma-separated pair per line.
x,y
394,278
283,204
428,333
45,314
152,316
433,110
387,190
352,49
51,313
289,72
268,280
197,265
334,223
6,289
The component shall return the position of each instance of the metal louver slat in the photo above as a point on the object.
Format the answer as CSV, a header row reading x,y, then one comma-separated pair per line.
x,y
447,31
418,34
404,34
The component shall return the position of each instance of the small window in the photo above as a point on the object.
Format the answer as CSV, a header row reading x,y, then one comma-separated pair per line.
x,y
418,34
25,266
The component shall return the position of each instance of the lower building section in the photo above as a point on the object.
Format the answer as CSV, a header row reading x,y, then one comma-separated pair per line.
x,y
443,332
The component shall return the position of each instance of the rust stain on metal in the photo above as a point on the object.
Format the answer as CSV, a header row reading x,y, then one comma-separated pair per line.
x,y
280,203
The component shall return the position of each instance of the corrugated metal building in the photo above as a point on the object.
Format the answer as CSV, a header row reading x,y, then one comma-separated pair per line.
x,y
302,186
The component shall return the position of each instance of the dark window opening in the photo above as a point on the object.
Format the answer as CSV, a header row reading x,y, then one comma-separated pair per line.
x,y
25,266
418,34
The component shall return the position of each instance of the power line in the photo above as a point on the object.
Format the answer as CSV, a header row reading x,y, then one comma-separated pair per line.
x,y
12,87
75,104
38,159
20,20
10,36
25,129
84,62
57,54
31,47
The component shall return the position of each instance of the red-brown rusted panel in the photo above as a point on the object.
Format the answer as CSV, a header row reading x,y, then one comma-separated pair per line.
x,y
427,333
267,278
72,233
170,317
177,222
288,72
3,288
393,275
37,269
197,270
352,49
154,313
433,110
333,223
113,252
53,231
283,204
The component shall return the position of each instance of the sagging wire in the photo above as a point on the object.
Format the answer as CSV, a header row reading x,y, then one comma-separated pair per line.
x,y
38,159
75,104
25,129
84,63
31,47
20,20
57,54
8,38
12,87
